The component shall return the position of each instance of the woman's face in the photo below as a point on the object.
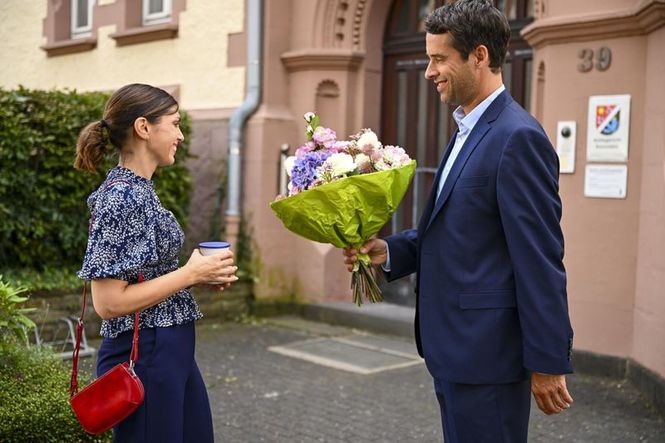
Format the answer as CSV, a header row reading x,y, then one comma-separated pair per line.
x,y
165,136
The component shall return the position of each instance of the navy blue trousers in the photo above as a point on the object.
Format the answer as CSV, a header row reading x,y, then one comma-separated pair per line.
x,y
176,407
484,413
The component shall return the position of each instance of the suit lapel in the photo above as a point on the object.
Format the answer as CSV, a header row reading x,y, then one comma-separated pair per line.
x,y
427,212
469,146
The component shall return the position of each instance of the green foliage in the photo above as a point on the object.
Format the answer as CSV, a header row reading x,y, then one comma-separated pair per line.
x,y
43,211
48,280
243,253
33,382
34,397
13,321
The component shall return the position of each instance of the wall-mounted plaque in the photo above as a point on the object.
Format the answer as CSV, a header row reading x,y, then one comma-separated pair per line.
x,y
608,128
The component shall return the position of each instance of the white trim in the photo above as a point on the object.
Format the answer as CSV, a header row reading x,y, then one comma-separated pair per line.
x,y
296,351
336,364
164,16
80,31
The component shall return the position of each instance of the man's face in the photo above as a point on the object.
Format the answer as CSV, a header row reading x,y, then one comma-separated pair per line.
x,y
456,80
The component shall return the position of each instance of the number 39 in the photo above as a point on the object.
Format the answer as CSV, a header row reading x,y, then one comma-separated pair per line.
x,y
603,59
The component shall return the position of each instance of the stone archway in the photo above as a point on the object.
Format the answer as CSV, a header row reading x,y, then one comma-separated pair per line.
x,y
356,26
327,54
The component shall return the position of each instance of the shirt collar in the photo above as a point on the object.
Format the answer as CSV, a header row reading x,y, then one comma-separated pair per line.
x,y
122,173
465,122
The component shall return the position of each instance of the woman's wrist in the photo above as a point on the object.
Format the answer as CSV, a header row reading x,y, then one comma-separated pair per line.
x,y
188,275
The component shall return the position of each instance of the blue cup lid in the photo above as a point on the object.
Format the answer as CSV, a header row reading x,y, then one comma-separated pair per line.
x,y
214,244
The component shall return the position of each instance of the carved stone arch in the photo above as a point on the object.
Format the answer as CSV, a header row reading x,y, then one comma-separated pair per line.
x,y
328,104
341,23
539,96
327,88
372,34
354,30
539,10
541,71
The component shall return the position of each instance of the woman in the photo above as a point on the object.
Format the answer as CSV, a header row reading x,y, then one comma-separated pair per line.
x,y
131,235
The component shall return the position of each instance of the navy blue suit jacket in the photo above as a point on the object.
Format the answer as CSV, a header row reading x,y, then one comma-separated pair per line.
x,y
491,292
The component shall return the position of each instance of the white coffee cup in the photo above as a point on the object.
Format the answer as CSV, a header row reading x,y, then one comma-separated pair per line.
x,y
213,248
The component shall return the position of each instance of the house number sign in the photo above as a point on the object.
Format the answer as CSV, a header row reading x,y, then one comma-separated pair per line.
x,y
600,59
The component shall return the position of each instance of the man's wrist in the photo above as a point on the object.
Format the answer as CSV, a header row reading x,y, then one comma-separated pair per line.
x,y
386,265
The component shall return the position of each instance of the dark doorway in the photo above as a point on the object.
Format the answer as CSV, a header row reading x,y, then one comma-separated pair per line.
x,y
412,114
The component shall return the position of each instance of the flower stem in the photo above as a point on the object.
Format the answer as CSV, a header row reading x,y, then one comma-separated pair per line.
x,y
364,285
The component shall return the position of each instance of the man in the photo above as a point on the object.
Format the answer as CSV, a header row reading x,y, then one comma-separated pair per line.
x,y
491,314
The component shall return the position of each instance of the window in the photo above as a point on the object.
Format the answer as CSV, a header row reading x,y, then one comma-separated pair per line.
x,y
81,18
156,11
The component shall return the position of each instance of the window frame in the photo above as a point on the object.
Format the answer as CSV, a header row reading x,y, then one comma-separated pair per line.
x,y
155,18
76,31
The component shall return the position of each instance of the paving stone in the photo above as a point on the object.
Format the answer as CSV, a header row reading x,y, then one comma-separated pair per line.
x,y
261,396
347,354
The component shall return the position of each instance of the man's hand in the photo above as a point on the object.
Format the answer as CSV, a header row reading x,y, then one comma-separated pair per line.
x,y
550,392
376,248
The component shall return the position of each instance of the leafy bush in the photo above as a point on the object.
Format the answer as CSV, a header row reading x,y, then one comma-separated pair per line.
x,y
13,322
43,211
34,397
51,280
33,383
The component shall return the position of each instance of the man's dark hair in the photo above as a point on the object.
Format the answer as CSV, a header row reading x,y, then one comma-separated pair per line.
x,y
472,23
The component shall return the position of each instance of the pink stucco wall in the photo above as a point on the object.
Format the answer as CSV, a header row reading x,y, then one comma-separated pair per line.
x,y
614,248
649,305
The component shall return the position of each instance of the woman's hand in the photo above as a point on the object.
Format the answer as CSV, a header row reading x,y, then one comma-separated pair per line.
x,y
218,268
113,298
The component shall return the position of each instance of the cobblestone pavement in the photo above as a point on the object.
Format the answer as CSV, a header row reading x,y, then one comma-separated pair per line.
x,y
260,396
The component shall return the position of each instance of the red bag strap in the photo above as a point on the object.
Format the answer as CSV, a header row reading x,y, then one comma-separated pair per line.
x,y
133,356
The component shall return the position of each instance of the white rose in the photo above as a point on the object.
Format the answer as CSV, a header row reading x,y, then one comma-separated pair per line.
x,y
308,116
369,138
363,162
381,166
340,164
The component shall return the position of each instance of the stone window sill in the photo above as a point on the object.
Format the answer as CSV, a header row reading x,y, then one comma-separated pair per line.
x,y
145,34
71,46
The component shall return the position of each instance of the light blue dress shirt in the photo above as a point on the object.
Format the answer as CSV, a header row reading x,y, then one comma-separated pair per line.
x,y
465,124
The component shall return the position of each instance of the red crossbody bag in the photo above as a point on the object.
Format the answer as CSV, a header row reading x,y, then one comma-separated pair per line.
x,y
112,397
116,394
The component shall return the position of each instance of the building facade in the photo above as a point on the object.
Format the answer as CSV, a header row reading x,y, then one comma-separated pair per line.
x,y
359,63
195,50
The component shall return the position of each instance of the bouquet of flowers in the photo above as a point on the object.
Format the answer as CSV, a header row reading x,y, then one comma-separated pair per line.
x,y
342,192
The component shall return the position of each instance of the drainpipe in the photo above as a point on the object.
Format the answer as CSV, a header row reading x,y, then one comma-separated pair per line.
x,y
254,34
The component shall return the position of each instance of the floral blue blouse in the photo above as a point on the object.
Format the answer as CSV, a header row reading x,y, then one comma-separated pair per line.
x,y
132,233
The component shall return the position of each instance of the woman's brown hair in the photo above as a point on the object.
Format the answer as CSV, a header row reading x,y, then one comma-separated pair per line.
x,y
122,109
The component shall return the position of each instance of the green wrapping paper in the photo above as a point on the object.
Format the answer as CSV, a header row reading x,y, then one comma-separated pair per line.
x,y
347,212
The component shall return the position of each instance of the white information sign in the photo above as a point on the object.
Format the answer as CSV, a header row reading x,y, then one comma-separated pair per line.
x,y
566,133
606,181
608,128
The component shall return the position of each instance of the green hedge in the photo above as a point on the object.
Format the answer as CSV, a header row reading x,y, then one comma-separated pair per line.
x,y
34,393
43,212
34,384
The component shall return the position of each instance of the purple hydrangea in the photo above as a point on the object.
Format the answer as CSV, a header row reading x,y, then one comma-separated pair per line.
x,y
303,173
304,149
